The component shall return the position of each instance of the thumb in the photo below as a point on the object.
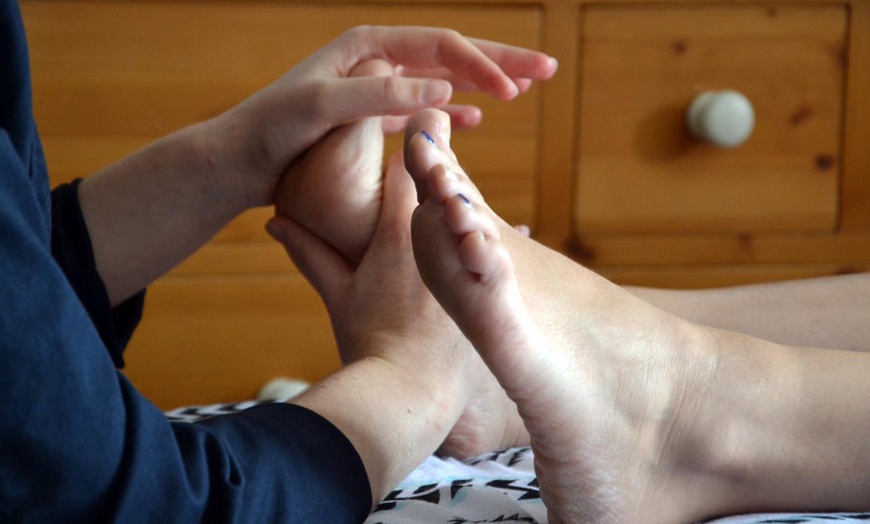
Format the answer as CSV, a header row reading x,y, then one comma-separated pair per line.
x,y
318,262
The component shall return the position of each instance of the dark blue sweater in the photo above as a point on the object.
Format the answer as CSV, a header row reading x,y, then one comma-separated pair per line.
x,y
77,442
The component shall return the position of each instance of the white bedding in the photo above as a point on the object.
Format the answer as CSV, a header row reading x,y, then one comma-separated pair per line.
x,y
497,487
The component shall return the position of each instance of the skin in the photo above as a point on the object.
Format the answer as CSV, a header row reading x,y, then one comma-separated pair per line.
x,y
828,312
635,414
334,188
395,399
149,211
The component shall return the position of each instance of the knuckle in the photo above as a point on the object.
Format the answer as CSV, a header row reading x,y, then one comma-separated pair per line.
x,y
359,33
391,89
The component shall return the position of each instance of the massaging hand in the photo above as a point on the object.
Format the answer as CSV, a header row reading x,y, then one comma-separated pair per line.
x,y
274,126
381,304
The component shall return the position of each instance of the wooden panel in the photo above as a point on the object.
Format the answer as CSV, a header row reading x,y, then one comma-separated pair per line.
x,y
111,76
639,171
856,162
554,220
214,339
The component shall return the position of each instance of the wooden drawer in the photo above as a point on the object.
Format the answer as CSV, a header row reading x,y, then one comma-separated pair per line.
x,y
638,170
216,339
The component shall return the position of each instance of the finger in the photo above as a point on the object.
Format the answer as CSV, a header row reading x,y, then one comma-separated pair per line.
x,y
354,98
400,196
372,67
431,47
523,84
318,262
518,62
459,83
461,117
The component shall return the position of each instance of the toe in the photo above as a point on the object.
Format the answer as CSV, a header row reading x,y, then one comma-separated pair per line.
x,y
464,216
443,182
486,257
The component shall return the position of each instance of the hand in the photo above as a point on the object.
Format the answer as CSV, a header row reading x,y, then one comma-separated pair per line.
x,y
334,188
273,127
379,308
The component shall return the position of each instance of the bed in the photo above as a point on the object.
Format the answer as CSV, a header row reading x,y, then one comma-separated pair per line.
x,y
496,487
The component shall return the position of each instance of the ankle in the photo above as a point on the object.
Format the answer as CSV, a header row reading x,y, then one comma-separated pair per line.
x,y
722,420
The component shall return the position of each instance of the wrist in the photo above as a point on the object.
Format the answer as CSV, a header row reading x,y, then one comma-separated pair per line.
x,y
239,166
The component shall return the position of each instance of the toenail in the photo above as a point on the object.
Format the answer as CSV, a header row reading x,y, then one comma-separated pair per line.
x,y
465,199
428,138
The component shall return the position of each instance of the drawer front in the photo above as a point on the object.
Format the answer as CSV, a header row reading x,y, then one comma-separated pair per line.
x,y
637,168
109,77
219,339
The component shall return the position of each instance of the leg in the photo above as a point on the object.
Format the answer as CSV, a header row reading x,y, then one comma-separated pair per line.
x,y
636,415
462,258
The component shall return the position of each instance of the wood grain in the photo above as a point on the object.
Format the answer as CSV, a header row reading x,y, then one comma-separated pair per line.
x,y
219,339
639,171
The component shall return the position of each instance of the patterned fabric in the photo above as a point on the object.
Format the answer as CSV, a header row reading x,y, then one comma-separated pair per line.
x,y
498,487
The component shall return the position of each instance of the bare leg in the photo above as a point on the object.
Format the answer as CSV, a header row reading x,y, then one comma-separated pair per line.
x,y
636,415
828,312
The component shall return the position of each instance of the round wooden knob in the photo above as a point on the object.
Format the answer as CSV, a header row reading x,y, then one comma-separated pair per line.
x,y
723,118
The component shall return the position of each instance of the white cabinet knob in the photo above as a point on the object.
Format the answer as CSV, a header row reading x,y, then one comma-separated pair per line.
x,y
723,118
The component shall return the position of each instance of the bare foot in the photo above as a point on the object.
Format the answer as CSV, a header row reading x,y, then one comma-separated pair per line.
x,y
490,421
334,189
608,386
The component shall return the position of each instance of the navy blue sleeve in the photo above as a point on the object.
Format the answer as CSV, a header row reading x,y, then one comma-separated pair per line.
x,y
79,444
72,250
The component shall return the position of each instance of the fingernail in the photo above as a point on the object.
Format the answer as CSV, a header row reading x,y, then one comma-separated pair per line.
x,y
428,138
450,175
436,93
555,63
465,199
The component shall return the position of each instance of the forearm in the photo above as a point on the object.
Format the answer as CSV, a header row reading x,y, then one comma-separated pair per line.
x,y
830,312
392,417
149,211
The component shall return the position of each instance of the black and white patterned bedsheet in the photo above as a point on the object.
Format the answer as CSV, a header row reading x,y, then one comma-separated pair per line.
x,y
498,487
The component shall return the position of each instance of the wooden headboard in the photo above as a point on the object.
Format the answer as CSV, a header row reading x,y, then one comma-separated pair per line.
x,y
598,161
